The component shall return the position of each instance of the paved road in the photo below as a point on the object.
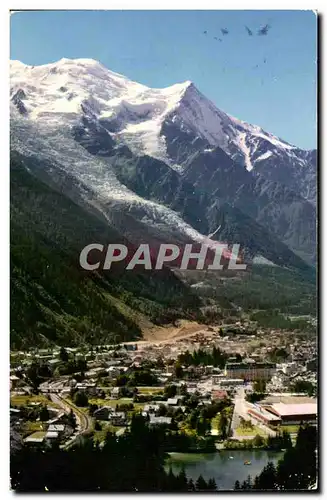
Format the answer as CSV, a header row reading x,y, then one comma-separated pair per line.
x,y
241,410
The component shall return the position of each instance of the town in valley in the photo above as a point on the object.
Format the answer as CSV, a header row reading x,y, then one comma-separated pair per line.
x,y
222,387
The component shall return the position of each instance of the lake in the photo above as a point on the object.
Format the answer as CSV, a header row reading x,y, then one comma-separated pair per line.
x,y
224,469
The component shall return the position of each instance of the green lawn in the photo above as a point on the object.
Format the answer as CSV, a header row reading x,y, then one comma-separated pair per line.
x,y
99,436
186,429
292,429
25,400
109,402
38,434
29,427
250,431
150,390
215,422
114,402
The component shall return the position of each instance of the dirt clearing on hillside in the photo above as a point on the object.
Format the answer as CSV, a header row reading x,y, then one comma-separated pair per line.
x,y
164,334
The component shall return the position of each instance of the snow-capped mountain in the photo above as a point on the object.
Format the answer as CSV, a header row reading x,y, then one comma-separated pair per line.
x,y
152,121
133,113
58,156
90,123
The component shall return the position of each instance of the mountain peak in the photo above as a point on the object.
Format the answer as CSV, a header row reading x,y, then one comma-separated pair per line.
x,y
188,84
81,60
138,115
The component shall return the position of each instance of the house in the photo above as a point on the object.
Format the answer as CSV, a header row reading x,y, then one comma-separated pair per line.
x,y
191,385
94,372
15,413
103,413
290,368
117,418
113,371
204,402
56,428
36,438
89,387
115,392
192,390
159,420
56,416
173,401
151,408
162,380
66,391
130,347
218,394
52,435
54,362
112,362
14,381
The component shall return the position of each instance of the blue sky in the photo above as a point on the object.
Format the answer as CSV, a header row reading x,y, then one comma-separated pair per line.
x,y
159,48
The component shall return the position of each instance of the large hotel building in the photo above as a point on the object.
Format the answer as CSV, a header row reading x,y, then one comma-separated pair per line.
x,y
250,371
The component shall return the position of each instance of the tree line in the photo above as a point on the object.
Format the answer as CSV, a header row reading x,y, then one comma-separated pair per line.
x,y
129,463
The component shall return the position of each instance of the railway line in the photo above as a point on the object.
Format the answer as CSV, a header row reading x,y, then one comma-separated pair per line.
x,y
84,422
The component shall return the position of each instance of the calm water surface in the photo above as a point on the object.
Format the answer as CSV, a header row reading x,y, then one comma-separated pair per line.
x,y
224,469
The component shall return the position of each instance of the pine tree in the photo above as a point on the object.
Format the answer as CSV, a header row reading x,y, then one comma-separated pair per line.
x,y
223,423
201,484
244,485
287,442
44,414
182,480
72,419
97,426
178,370
63,355
268,478
256,483
237,485
258,441
81,399
191,486
212,485
247,484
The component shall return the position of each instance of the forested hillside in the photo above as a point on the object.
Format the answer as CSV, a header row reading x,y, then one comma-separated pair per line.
x,y
52,300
